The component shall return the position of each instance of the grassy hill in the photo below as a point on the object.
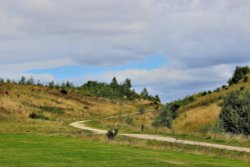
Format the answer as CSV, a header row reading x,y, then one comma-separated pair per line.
x,y
200,115
29,108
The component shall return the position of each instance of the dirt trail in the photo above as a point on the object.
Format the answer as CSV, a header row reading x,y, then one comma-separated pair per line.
x,y
81,125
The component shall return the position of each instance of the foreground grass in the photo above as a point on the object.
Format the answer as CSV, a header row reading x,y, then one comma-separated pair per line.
x,y
37,150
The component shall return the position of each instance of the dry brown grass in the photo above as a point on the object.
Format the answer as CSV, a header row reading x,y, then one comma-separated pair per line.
x,y
200,119
21,100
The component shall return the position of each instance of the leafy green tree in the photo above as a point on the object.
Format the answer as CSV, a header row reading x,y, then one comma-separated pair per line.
x,y
51,84
127,83
23,80
235,115
114,84
69,84
239,73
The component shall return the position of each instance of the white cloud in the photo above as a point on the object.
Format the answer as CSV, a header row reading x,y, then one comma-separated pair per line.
x,y
195,35
214,31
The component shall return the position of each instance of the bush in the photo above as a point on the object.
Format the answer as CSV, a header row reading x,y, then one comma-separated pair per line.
x,y
235,115
165,117
64,92
203,93
34,115
129,120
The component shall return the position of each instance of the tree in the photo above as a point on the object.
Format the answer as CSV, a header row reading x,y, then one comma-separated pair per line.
x,y
239,73
125,89
51,84
127,83
235,115
23,80
114,83
69,84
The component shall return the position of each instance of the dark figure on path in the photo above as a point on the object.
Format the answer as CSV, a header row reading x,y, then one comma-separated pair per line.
x,y
142,127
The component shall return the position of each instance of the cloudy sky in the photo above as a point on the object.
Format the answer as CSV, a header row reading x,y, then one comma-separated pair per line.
x,y
172,47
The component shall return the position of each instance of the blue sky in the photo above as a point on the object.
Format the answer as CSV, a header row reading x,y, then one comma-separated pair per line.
x,y
174,48
66,72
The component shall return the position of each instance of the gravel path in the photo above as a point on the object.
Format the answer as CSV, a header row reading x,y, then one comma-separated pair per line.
x,y
81,125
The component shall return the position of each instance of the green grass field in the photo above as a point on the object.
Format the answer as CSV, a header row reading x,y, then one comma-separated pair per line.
x,y
18,150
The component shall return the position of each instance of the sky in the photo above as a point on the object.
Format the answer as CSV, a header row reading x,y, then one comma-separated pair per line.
x,y
172,47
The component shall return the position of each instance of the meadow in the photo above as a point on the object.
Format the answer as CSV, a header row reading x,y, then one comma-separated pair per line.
x,y
50,151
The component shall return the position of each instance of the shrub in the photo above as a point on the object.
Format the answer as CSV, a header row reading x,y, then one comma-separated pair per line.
x,y
34,115
165,117
235,115
203,93
129,120
64,92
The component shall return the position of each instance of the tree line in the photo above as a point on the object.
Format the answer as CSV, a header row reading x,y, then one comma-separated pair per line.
x,y
112,90
116,90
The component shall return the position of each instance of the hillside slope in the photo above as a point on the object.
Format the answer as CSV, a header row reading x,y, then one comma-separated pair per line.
x,y
29,108
200,115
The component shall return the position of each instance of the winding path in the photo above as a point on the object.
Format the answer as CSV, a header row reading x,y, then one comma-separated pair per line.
x,y
81,125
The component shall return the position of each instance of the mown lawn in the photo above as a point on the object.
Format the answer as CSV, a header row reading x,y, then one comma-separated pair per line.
x,y
24,150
